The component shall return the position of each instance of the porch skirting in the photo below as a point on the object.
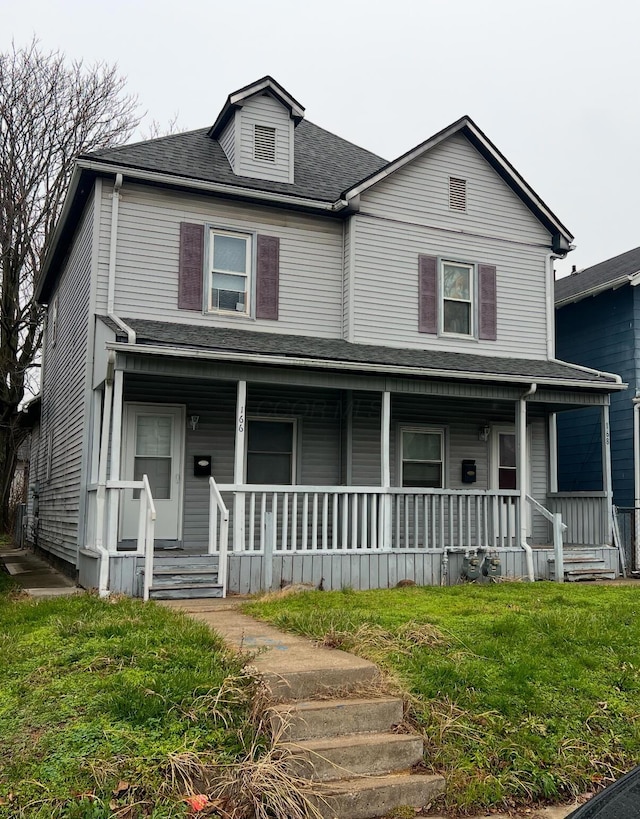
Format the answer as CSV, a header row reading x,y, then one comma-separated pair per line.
x,y
381,570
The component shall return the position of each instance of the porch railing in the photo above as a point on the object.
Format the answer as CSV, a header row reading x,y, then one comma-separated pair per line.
x,y
218,540
349,518
585,515
558,528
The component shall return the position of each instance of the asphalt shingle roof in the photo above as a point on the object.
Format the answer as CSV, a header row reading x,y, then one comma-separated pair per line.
x,y
338,350
598,276
325,164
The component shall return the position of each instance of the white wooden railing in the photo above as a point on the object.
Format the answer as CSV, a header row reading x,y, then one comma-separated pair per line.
x,y
349,518
558,529
218,543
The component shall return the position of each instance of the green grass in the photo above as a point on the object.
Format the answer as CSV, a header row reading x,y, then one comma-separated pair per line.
x,y
524,693
94,693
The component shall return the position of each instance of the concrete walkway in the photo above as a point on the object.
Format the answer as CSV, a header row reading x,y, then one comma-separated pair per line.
x,y
34,575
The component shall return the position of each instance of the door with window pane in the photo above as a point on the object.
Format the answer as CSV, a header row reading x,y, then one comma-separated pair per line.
x,y
504,475
153,446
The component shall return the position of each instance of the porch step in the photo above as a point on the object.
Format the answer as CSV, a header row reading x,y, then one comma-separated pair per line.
x,y
332,758
184,591
582,566
183,576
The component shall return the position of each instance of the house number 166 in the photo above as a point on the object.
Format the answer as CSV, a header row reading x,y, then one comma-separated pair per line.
x,y
241,420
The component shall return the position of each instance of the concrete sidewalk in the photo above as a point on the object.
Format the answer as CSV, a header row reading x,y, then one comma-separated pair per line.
x,y
34,575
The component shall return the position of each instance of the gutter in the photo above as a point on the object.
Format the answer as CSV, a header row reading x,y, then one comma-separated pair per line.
x,y
378,369
601,373
212,187
113,246
614,284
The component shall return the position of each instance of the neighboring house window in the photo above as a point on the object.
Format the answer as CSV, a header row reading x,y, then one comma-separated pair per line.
x,y
457,194
230,262
457,288
236,281
456,298
264,143
270,451
53,322
422,457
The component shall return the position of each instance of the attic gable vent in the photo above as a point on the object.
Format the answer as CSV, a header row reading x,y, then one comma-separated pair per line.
x,y
457,193
264,143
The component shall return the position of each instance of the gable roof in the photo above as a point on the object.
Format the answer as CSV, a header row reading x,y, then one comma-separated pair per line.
x,y
599,277
466,126
236,98
294,350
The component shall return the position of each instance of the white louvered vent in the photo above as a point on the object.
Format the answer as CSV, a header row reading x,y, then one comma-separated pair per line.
x,y
457,193
264,143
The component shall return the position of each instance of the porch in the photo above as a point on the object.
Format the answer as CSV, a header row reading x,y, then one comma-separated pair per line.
x,y
429,480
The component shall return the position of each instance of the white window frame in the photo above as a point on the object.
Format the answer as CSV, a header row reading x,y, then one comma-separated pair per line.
x,y
249,267
294,443
472,301
433,430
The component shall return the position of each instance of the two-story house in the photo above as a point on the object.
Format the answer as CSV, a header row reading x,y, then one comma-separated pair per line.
x,y
264,337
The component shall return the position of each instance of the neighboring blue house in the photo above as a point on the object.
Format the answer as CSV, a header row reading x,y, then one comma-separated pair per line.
x,y
598,325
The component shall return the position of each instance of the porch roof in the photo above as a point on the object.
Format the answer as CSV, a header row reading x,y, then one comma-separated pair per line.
x,y
293,350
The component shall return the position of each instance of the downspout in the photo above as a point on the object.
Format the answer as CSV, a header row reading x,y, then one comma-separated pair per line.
x,y
103,582
524,477
113,246
636,478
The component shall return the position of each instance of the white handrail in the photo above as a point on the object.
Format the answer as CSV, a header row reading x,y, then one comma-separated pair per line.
x,y
217,504
148,507
555,518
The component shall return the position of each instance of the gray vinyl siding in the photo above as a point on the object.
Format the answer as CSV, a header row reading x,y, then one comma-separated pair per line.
x,y
311,260
265,110
228,141
408,214
63,402
419,194
385,306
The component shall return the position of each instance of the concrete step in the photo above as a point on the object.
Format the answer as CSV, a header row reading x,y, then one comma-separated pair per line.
x,y
340,757
371,797
184,591
333,718
306,683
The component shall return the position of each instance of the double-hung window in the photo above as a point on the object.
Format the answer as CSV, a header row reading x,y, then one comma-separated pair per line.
x,y
457,288
422,457
230,271
270,451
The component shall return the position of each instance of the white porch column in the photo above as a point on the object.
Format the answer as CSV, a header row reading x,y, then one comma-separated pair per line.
x,y
553,452
607,484
385,467
522,469
238,467
114,472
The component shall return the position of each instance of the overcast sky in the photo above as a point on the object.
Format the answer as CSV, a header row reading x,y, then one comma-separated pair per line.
x,y
553,83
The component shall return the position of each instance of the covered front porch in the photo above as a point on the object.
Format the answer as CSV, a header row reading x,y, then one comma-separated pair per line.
x,y
252,477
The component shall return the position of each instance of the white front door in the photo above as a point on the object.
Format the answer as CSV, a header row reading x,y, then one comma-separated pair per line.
x,y
153,445
504,475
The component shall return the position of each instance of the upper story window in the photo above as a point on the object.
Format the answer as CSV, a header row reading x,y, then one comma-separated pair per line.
x,y
457,194
230,261
264,143
457,290
422,457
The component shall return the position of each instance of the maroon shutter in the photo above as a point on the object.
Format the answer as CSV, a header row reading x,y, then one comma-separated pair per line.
x,y
191,274
267,277
487,309
427,294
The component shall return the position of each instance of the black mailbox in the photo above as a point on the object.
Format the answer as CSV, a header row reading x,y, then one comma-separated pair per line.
x,y
202,466
468,471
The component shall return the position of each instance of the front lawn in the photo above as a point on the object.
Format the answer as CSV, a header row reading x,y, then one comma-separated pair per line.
x,y
105,703
525,692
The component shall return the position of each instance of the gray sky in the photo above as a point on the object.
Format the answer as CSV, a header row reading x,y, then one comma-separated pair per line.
x,y
553,83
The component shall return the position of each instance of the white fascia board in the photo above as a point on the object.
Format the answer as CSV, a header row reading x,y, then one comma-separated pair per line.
x,y
209,187
353,366
614,284
296,109
495,154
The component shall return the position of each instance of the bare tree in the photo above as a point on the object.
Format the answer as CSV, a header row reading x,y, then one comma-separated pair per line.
x,y
51,110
